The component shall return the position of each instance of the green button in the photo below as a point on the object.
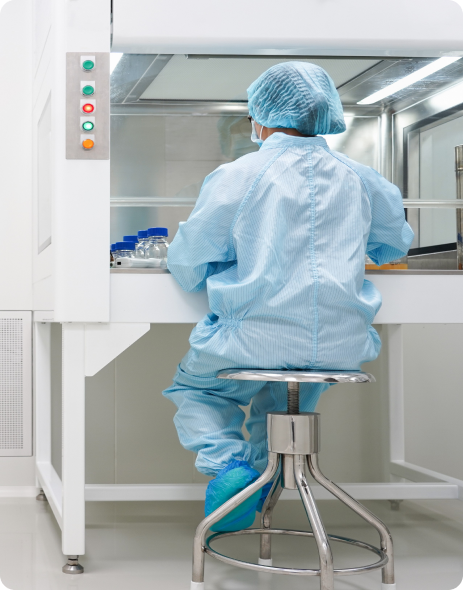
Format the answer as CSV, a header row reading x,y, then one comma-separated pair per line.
x,y
88,65
88,90
87,126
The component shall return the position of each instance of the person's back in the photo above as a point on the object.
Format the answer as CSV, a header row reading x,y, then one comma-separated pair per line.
x,y
279,236
294,295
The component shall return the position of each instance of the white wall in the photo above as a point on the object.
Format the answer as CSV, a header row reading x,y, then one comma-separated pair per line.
x,y
131,437
15,185
15,155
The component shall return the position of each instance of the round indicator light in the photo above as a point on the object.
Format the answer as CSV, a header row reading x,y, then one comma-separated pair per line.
x,y
88,65
88,108
88,90
87,125
87,144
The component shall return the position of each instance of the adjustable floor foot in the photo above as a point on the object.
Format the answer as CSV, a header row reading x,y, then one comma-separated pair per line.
x,y
41,496
73,566
262,561
395,505
388,587
197,586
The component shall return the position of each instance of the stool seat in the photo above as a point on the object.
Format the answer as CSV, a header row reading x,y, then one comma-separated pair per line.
x,y
297,376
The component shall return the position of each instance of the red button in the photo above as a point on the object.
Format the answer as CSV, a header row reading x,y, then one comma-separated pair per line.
x,y
88,108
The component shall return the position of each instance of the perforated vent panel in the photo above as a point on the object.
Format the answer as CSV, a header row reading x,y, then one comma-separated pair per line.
x,y
11,384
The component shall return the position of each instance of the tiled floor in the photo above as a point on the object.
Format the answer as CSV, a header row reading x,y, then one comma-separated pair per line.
x,y
148,546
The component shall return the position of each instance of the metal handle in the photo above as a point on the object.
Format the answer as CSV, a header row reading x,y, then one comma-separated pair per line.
x,y
459,179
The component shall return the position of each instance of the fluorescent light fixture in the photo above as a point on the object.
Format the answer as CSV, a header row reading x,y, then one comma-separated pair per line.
x,y
435,66
114,59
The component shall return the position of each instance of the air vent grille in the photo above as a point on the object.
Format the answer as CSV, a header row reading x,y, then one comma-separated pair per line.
x,y
11,384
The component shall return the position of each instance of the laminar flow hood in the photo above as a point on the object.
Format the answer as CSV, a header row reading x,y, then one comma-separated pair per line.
x,y
415,28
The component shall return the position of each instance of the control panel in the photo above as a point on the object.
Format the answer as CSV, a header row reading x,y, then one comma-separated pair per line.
x,y
87,106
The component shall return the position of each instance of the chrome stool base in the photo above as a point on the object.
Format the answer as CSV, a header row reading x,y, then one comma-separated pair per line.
x,y
264,567
293,445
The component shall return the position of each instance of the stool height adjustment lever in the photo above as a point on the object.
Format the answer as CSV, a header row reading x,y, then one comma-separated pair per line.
x,y
293,397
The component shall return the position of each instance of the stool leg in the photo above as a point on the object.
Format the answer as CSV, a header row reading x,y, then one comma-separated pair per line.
x,y
266,522
385,535
200,536
321,538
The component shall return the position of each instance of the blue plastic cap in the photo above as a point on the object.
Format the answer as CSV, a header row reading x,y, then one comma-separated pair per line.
x,y
125,245
130,239
143,233
113,247
158,231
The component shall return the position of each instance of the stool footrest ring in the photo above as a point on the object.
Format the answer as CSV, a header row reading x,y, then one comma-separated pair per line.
x,y
295,571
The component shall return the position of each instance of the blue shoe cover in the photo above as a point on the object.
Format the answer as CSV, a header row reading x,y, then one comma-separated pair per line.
x,y
265,492
229,481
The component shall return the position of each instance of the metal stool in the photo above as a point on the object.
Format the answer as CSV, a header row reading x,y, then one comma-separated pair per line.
x,y
293,441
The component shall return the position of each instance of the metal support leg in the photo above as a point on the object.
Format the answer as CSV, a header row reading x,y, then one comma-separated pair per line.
x,y
266,522
385,535
321,538
73,446
200,536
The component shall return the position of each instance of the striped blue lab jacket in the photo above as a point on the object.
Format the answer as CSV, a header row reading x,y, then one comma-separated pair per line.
x,y
279,238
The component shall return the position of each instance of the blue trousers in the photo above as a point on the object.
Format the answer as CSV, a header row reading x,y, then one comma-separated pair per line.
x,y
209,419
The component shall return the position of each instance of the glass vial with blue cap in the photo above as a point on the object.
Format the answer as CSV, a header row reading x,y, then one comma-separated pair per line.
x,y
112,255
130,239
142,243
124,250
156,248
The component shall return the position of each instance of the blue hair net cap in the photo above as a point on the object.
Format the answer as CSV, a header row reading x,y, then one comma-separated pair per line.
x,y
297,95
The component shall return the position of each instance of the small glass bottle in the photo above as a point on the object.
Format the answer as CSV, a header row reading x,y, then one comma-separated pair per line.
x,y
156,248
124,250
142,242
111,255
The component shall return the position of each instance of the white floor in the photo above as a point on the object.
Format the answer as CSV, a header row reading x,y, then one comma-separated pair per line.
x,y
148,546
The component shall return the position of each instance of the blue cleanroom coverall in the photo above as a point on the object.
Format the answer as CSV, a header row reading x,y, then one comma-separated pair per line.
x,y
279,238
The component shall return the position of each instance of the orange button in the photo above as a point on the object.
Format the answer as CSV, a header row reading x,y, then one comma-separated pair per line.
x,y
88,144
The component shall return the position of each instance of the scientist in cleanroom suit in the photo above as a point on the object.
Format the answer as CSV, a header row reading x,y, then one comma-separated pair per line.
x,y
278,238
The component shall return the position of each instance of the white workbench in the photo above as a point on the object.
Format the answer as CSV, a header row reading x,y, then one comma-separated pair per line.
x,y
408,297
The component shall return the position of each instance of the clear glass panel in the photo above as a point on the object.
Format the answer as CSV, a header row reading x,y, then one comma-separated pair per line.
x,y
159,162
431,177
175,120
360,141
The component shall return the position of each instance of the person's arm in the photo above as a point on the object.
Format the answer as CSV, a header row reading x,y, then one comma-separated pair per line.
x,y
390,235
202,246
